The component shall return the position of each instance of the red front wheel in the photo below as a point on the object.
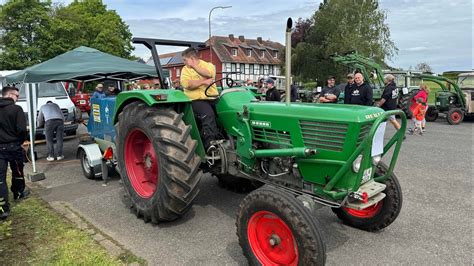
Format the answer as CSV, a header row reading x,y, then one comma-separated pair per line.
x,y
274,228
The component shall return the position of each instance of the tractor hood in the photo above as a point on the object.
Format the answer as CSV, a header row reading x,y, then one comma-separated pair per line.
x,y
321,112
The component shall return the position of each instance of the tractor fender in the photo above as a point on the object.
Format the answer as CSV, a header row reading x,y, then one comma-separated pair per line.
x,y
150,97
94,156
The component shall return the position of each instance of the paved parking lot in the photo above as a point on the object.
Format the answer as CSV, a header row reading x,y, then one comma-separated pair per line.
x,y
434,226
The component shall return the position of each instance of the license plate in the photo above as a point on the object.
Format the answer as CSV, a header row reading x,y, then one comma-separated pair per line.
x,y
82,101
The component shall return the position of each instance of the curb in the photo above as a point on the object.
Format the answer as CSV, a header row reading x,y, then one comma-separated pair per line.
x,y
70,213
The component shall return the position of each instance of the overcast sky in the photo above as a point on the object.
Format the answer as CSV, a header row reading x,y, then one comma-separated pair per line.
x,y
436,32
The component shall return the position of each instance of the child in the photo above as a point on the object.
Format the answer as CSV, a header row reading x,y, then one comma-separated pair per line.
x,y
419,116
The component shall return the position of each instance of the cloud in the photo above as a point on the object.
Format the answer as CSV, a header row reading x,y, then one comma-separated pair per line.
x,y
417,49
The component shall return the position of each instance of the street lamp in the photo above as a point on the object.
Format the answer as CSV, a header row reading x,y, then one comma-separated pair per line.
x,y
210,43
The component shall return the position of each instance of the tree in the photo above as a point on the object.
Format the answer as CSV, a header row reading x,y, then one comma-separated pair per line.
x,y
341,26
24,27
33,31
301,32
424,67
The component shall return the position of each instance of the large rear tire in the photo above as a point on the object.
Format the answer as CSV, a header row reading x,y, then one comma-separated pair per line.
x,y
157,162
380,215
274,228
431,114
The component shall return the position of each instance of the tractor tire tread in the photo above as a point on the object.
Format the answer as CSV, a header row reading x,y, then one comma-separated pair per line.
x,y
179,168
300,221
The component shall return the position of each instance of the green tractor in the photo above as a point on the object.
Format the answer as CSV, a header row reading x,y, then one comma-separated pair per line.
x,y
450,100
292,156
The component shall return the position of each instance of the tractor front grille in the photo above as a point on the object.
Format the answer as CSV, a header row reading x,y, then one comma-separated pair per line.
x,y
272,136
323,135
364,131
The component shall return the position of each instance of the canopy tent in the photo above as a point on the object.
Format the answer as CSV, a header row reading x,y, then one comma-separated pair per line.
x,y
83,64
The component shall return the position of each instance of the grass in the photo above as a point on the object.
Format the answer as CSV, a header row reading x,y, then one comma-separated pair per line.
x,y
36,234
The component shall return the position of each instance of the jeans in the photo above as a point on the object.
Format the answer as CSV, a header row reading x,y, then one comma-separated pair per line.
x,y
54,126
11,154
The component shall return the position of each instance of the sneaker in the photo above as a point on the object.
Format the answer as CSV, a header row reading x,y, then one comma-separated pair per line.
x,y
60,157
49,158
4,215
23,195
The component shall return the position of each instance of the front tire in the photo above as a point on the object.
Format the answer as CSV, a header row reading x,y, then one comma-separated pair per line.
x,y
274,228
455,116
157,162
380,215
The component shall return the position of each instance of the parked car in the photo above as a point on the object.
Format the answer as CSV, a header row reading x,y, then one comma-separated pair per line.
x,y
56,93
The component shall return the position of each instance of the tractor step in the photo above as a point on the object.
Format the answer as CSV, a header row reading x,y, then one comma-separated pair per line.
x,y
359,205
372,188
374,194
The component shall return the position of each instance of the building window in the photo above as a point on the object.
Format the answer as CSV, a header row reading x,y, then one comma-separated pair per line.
x,y
271,70
234,51
233,67
249,52
262,54
251,70
178,72
261,70
242,68
275,54
265,70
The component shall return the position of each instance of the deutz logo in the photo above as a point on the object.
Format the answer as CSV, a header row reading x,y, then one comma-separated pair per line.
x,y
260,123
375,115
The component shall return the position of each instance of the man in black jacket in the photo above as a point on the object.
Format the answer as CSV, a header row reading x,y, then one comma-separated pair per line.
x,y
272,93
361,92
389,98
348,89
12,136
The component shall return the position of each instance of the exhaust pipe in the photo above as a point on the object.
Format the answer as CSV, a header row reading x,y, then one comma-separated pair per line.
x,y
289,25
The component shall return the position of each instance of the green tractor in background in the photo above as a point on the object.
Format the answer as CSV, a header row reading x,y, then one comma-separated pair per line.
x,y
374,75
454,99
290,155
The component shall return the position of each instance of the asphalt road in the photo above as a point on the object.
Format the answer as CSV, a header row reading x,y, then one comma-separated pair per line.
x,y
434,227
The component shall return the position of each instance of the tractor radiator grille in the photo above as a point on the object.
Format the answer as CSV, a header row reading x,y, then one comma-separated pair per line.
x,y
364,131
323,135
272,136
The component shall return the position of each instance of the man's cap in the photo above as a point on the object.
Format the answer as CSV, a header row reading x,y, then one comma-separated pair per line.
x,y
270,81
331,77
350,76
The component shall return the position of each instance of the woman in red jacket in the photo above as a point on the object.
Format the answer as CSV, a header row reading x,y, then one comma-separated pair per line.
x,y
423,94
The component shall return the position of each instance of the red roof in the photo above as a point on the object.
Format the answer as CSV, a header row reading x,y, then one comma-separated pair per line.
x,y
223,45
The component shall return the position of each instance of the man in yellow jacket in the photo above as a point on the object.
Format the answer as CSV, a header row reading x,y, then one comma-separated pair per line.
x,y
196,76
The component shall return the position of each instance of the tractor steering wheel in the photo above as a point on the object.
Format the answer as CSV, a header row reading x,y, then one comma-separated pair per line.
x,y
229,82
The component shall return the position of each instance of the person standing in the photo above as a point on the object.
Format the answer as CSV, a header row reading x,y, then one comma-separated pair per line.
x,y
330,93
196,76
51,117
348,88
293,93
423,94
99,91
361,92
389,98
272,93
12,136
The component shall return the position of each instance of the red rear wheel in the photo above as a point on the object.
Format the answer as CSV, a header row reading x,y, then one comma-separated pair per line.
x,y
271,239
141,163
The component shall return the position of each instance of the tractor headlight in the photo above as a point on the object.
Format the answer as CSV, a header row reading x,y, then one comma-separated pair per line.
x,y
376,159
356,164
